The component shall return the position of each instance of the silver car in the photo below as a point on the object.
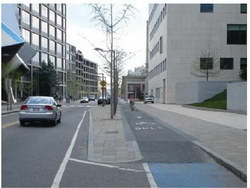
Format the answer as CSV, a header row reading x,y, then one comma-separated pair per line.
x,y
40,108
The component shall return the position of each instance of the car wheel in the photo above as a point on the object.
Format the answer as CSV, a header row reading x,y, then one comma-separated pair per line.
x,y
153,102
59,120
53,123
22,123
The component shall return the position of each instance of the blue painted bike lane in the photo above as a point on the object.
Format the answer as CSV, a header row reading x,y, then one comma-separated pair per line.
x,y
173,159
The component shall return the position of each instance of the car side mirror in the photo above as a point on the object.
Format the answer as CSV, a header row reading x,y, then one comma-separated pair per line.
x,y
58,105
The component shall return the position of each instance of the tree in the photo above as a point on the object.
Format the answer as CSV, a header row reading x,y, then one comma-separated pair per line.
x,y
207,65
243,73
48,80
104,16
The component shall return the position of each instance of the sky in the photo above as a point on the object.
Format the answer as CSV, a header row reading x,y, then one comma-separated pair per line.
x,y
85,34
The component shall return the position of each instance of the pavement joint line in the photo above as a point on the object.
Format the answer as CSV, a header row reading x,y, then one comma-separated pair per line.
x,y
9,124
107,165
60,172
230,165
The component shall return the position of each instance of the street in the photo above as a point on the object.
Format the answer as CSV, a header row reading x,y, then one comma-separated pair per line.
x,y
40,155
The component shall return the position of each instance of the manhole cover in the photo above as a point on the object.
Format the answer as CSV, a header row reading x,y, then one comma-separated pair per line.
x,y
111,132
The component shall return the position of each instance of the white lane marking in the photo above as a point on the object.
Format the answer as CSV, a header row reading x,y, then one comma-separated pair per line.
x,y
150,177
58,177
139,117
105,165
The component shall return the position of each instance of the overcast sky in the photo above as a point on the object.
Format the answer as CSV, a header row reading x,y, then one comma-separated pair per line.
x,y
131,36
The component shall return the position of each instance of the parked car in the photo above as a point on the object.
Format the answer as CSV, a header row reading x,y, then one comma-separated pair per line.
x,y
148,98
101,100
84,100
39,108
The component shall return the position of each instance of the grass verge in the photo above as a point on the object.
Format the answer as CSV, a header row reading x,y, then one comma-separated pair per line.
x,y
219,101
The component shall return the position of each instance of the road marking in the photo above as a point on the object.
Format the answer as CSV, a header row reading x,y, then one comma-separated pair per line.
x,y
106,165
61,170
150,177
9,124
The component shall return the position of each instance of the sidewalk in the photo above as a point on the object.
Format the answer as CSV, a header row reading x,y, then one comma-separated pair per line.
x,y
110,140
221,134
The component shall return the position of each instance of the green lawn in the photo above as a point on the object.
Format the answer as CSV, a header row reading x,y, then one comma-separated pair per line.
x,y
219,101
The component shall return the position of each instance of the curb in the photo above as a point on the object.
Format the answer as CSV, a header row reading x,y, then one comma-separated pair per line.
x,y
10,112
230,165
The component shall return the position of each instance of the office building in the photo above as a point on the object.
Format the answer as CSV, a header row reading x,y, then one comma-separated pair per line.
x,y
44,27
179,34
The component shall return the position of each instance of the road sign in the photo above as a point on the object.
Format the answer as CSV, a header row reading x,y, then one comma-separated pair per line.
x,y
103,83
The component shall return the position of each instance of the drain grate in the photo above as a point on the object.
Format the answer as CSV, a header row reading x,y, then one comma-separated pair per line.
x,y
111,132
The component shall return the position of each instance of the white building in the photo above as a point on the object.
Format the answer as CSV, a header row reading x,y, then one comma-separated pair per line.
x,y
179,33
138,71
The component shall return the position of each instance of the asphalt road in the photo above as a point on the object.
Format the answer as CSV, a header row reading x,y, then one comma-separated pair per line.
x,y
40,155
172,157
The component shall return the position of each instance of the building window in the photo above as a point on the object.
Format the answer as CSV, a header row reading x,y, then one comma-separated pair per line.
x,y
44,27
44,11
52,31
52,46
59,63
52,60
45,43
35,8
161,44
59,34
25,17
45,58
59,49
51,16
236,34
58,20
206,63
36,58
35,39
35,22
64,9
26,35
243,8
59,7
226,63
206,8
243,63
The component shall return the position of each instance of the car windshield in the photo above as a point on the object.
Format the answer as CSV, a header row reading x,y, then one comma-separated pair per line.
x,y
39,100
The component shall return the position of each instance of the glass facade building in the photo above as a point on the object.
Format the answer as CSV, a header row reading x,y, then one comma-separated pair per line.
x,y
44,27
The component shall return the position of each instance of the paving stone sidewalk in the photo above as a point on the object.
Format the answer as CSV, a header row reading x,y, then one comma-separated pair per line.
x,y
107,138
226,144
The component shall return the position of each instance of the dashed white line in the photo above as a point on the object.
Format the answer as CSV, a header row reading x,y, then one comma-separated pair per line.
x,y
61,170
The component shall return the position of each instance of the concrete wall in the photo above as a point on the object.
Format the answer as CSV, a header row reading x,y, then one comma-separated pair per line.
x,y
237,97
196,92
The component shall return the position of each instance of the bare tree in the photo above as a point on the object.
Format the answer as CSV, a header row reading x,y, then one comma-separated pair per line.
x,y
206,65
104,15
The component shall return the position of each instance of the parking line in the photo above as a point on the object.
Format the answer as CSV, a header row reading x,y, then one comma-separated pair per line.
x,y
59,174
9,124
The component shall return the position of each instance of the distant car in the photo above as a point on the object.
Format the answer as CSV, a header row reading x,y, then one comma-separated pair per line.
x,y
39,108
84,100
92,98
148,98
